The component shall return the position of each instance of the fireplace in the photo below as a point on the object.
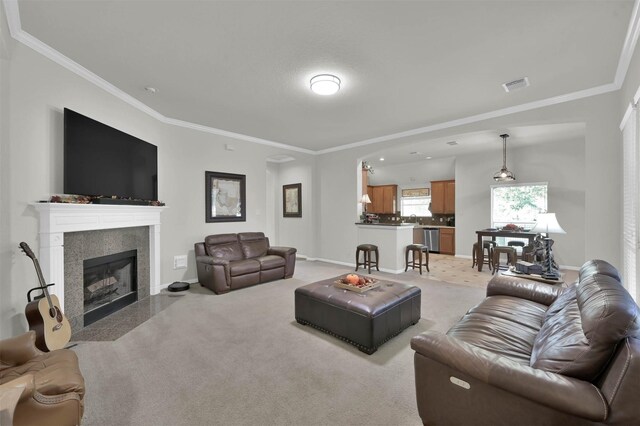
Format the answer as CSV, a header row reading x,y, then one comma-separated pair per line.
x,y
110,284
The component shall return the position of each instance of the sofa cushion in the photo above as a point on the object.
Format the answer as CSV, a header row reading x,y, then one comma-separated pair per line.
x,y
503,325
224,246
578,339
242,267
255,248
597,266
270,262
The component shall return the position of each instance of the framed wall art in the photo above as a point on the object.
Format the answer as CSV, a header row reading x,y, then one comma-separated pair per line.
x,y
292,200
226,195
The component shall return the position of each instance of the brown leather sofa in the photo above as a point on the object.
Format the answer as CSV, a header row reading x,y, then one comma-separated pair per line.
x,y
536,354
54,391
230,261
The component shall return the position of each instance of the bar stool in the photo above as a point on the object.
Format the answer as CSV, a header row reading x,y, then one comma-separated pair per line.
x,y
509,251
486,259
413,248
517,244
367,263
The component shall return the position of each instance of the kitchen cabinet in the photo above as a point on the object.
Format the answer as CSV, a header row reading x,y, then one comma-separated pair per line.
x,y
383,199
447,241
418,236
443,197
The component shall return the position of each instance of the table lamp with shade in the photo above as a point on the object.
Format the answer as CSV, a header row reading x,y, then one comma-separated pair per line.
x,y
365,200
546,223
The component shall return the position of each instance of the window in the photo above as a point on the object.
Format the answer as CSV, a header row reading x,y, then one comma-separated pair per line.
x,y
518,204
631,206
418,206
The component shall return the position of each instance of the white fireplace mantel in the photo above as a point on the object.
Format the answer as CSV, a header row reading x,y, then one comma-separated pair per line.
x,y
58,218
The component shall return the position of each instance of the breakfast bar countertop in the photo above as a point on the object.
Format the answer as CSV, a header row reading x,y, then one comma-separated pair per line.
x,y
409,225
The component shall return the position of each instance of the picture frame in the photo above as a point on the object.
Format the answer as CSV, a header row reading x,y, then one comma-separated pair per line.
x,y
225,195
292,200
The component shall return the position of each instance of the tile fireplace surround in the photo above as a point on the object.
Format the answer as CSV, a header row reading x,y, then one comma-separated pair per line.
x,y
56,219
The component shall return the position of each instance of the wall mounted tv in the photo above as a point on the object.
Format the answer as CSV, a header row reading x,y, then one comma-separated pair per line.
x,y
102,161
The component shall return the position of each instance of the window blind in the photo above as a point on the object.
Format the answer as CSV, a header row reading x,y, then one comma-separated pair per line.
x,y
631,196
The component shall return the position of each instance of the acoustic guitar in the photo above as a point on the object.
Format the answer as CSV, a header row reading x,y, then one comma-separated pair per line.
x,y
44,316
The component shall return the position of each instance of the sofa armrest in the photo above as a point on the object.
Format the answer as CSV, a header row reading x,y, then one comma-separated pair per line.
x,y
214,273
289,254
562,393
523,288
282,251
18,350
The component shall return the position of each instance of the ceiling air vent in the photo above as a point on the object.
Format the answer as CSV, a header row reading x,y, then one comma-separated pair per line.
x,y
516,84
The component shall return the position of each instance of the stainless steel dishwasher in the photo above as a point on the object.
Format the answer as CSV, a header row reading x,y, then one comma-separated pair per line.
x,y
432,239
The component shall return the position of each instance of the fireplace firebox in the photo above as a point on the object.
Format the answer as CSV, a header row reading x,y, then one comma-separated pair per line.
x,y
110,284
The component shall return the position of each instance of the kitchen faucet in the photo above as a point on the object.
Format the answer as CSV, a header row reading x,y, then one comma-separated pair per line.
x,y
415,218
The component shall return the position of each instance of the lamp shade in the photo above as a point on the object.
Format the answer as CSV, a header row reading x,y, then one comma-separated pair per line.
x,y
365,199
548,224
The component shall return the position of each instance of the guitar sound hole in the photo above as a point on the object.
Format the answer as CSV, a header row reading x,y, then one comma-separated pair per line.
x,y
52,312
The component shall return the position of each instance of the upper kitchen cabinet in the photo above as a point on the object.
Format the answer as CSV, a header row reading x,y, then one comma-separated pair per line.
x,y
443,196
383,199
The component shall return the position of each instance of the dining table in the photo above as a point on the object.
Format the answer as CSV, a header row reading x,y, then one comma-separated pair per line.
x,y
494,233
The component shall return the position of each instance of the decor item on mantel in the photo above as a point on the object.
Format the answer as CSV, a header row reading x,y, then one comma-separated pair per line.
x,y
292,200
225,197
86,199
504,175
547,223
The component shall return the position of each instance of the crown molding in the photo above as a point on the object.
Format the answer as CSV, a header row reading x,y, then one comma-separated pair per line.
x,y
246,138
629,45
599,90
633,31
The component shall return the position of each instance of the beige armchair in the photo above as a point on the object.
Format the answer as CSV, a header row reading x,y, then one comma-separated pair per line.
x,y
48,386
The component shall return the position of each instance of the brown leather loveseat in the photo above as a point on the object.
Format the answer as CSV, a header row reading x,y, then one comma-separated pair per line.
x,y
536,354
231,261
53,385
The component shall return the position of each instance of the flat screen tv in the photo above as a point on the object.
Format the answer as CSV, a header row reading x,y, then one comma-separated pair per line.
x,y
102,161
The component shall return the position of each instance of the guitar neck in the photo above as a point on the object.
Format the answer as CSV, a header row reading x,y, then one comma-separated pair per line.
x,y
43,284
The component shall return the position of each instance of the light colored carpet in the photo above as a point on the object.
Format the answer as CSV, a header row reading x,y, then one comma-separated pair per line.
x,y
241,358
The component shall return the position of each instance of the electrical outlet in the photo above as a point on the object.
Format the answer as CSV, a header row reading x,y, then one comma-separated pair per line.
x,y
180,262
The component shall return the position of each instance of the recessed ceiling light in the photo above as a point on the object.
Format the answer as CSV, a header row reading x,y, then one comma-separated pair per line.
x,y
427,158
325,84
381,158
151,90
415,152
452,143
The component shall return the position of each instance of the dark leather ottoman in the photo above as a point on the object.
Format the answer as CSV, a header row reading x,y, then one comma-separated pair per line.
x,y
366,320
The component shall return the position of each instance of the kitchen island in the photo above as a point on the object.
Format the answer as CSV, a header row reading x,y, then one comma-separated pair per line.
x,y
391,241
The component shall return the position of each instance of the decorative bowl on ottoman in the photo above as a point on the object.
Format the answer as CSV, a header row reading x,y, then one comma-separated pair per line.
x,y
357,283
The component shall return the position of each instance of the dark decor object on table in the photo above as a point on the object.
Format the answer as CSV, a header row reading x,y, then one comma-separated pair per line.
x,y
547,223
225,197
365,320
178,286
230,261
535,353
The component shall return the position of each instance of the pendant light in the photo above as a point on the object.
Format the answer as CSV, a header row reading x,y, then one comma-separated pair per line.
x,y
504,175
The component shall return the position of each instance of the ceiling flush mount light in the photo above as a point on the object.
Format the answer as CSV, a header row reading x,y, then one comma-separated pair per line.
x,y
325,84
381,158
504,175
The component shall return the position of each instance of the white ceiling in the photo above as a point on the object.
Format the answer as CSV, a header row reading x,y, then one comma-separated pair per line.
x,y
244,66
